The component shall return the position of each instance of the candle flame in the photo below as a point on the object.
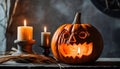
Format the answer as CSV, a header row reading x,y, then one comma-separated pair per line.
x,y
78,50
45,29
25,22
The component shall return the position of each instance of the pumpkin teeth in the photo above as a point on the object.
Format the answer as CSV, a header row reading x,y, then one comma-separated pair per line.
x,y
68,50
89,49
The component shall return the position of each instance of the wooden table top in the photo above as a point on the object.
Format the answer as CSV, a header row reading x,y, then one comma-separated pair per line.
x,y
113,63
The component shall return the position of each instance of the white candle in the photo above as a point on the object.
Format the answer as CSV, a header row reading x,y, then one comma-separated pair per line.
x,y
45,38
24,32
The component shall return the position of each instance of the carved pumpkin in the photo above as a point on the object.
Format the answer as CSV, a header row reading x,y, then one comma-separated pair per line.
x,y
76,43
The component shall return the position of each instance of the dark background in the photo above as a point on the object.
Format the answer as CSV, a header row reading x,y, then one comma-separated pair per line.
x,y
54,13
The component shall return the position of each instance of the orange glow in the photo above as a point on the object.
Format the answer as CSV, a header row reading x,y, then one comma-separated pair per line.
x,y
45,29
25,22
76,50
47,42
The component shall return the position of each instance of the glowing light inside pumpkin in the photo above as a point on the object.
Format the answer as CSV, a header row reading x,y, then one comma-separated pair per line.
x,y
78,50
68,50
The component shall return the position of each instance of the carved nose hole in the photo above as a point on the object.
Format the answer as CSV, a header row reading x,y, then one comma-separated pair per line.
x,y
72,38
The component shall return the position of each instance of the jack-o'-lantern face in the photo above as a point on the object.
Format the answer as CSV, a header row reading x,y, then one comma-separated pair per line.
x,y
76,43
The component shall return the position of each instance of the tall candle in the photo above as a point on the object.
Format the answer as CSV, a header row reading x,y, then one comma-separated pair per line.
x,y
24,32
45,38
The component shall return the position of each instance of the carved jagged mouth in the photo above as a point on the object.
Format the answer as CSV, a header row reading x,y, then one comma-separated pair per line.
x,y
76,50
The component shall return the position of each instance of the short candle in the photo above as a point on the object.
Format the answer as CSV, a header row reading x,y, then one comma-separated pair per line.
x,y
25,32
45,38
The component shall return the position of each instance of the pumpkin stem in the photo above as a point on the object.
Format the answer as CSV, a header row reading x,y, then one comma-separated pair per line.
x,y
77,19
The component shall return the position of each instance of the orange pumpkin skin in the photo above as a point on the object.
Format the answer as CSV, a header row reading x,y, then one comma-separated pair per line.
x,y
69,37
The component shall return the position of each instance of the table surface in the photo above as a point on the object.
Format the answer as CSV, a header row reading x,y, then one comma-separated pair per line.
x,y
101,62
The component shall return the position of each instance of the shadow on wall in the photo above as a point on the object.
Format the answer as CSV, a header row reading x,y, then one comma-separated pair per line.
x,y
116,39
54,13
116,35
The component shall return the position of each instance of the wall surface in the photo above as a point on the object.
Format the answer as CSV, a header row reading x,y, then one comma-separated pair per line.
x,y
53,13
4,15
